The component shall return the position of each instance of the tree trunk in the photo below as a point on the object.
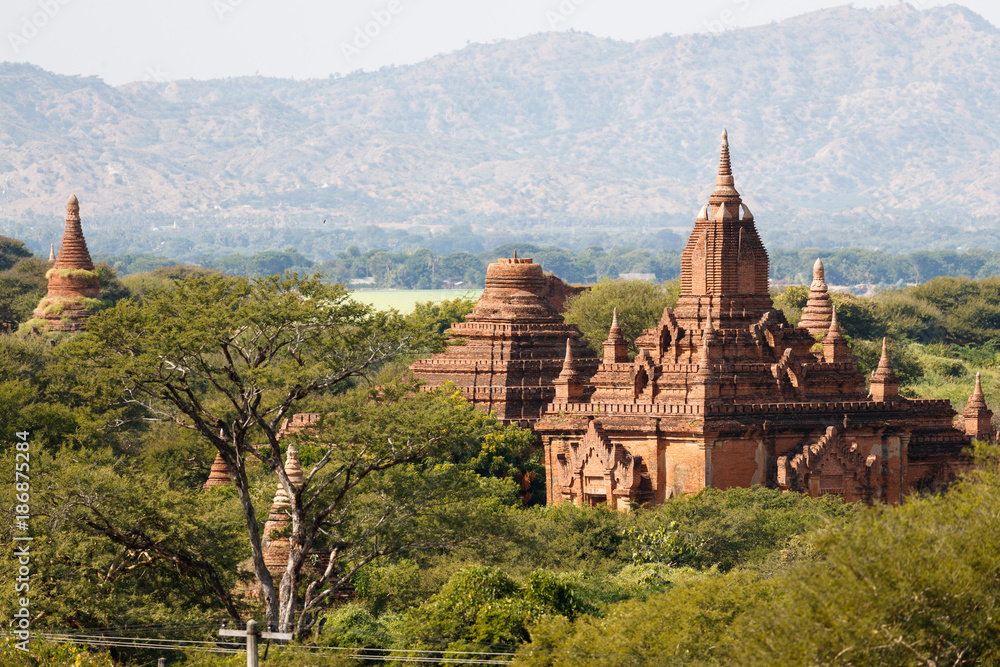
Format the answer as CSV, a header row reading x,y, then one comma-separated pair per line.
x,y
257,551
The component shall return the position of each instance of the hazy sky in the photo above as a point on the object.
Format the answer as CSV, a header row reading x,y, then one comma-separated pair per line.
x,y
130,40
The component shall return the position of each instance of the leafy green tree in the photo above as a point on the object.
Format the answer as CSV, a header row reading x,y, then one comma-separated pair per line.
x,y
115,546
913,584
230,358
792,300
640,305
11,252
259,347
859,317
482,609
437,317
21,288
687,624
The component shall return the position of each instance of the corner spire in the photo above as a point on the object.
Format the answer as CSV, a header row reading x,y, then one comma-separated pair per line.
x,y
52,252
884,384
615,347
977,418
977,399
835,348
568,385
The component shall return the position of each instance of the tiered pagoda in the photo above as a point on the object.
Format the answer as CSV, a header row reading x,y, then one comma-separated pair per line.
x,y
724,392
511,347
73,284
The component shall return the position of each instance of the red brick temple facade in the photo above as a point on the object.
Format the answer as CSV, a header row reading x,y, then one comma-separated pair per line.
x,y
514,344
73,283
724,391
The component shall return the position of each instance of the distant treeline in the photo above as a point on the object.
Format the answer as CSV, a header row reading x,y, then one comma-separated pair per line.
x,y
426,269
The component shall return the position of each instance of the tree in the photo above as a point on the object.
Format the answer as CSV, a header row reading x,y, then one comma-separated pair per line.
x,y
230,359
640,305
11,252
115,545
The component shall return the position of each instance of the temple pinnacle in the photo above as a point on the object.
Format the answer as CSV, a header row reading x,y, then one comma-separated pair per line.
x,y
819,273
725,189
725,166
52,252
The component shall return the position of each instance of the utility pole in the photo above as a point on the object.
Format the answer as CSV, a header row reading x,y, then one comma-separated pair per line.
x,y
252,636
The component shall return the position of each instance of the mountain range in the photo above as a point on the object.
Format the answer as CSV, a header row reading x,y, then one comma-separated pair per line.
x,y
847,127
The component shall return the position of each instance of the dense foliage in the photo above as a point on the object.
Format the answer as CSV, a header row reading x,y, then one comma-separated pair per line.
x,y
465,559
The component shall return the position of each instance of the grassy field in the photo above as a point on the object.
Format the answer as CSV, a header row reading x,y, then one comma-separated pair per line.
x,y
404,300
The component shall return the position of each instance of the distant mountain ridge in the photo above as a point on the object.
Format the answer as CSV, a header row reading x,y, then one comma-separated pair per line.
x,y
848,127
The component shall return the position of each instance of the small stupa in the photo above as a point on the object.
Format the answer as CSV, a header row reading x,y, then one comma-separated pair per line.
x,y
74,286
819,309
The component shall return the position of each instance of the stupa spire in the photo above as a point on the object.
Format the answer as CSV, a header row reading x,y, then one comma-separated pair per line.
x,y
52,252
73,253
219,473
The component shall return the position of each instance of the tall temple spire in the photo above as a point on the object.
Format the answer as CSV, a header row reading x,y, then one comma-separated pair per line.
x,y
724,256
52,252
816,315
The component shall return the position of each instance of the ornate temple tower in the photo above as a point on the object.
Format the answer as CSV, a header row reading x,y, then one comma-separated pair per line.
x,y
724,267
515,346
73,284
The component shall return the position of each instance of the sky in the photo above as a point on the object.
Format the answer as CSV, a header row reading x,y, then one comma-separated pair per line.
x,y
161,40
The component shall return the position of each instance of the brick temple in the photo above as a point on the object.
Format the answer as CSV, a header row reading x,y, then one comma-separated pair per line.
x,y
511,347
724,392
73,283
